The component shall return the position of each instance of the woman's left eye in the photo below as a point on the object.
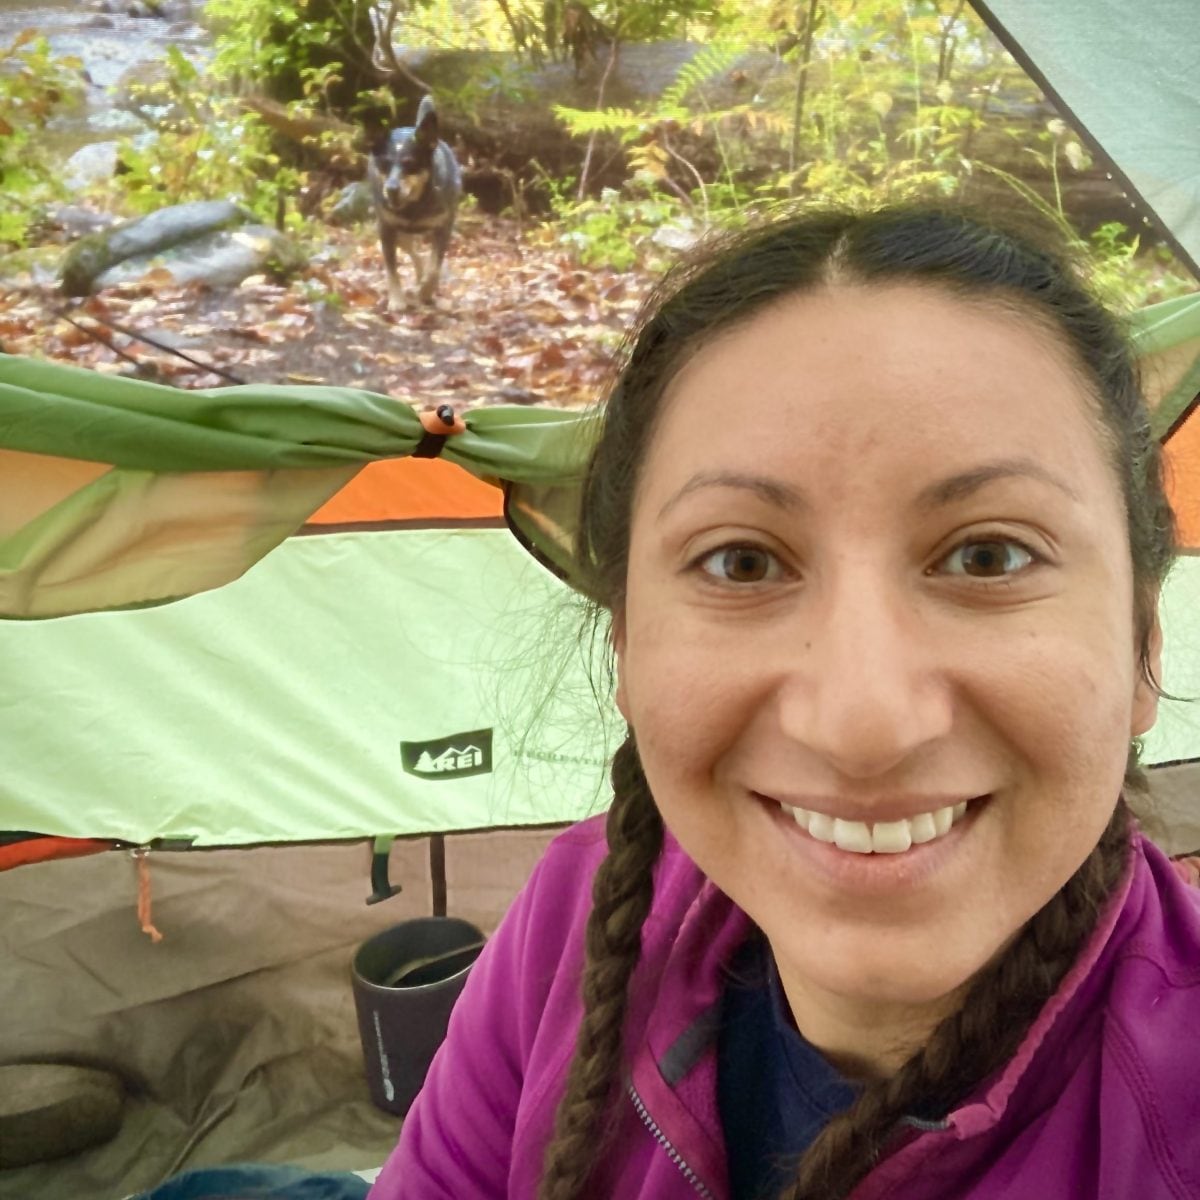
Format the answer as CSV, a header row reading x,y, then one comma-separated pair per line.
x,y
988,558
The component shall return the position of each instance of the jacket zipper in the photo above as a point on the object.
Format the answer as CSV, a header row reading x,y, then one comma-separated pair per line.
x,y
665,1142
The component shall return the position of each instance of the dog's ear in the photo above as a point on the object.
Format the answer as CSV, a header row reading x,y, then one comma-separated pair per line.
x,y
427,122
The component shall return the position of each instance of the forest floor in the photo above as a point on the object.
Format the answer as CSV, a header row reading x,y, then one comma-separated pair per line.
x,y
516,321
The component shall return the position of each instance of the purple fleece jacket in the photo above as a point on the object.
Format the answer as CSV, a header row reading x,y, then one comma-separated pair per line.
x,y
1101,1100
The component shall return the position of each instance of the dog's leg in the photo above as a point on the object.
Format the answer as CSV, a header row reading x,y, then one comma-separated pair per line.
x,y
439,241
408,243
411,243
387,242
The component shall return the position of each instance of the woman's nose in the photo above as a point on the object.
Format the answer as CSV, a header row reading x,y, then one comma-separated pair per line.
x,y
867,684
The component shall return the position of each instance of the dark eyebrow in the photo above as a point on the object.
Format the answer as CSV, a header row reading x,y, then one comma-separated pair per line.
x,y
936,495
959,487
772,491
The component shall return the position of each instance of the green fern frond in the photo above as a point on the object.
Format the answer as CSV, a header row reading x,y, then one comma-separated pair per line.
x,y
715,59
581,122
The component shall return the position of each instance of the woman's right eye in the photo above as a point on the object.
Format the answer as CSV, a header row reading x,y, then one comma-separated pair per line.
x,y
741,564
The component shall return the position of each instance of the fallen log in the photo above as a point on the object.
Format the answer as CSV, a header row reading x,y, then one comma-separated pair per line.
x,y
336,144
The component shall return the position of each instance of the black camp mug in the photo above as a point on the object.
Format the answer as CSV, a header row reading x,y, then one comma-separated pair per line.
x,y
406,980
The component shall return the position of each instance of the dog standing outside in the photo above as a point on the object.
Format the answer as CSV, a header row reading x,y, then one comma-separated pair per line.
x,y
416,185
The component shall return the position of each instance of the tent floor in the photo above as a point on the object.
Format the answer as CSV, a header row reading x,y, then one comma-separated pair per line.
x,y
235,1035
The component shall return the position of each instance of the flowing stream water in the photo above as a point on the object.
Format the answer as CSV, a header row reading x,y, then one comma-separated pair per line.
x,y
112,47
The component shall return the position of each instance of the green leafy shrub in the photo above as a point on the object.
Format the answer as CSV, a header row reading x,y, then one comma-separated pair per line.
x,y
205,146
35,86
612,231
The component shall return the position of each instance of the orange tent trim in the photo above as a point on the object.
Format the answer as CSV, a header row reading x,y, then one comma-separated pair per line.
x,y
411,489
1182,462
42,849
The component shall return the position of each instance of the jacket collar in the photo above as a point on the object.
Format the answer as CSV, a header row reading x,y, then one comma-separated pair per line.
x,y
1062,1013
674,1067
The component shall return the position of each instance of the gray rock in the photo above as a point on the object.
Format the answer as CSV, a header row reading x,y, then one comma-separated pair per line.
x,y
677,236
78,221
353,204
93,255
89,164
145,90
219,259
113,120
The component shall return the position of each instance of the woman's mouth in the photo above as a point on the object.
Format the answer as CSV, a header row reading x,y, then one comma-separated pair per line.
x,y
879,837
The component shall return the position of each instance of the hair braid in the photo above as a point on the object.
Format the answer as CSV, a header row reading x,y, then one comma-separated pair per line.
x,y
979,1038
621,898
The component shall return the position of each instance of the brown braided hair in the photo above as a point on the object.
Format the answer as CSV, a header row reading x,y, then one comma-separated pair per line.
x,y
978,1039
621,896
724,284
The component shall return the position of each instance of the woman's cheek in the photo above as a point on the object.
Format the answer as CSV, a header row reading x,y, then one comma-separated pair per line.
x,y
687,698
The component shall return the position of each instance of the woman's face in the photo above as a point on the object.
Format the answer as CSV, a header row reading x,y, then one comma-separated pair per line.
x,y
879,570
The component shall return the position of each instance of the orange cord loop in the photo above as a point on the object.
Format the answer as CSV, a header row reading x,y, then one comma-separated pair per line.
x,y
142,857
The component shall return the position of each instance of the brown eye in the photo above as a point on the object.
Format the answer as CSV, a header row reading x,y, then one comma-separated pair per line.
x,y
741,564
988,559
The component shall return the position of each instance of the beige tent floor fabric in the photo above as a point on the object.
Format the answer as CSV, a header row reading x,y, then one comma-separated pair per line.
x,y
236,1035
1173,815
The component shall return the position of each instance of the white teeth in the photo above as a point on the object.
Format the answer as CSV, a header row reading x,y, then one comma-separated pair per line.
x,y
922,829
890,837
819,825
882,837
852,835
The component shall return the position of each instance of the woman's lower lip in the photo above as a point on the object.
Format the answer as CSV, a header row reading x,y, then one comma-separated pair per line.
x,y
867,874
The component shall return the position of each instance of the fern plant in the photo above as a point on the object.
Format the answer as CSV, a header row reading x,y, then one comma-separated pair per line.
x,y
646,133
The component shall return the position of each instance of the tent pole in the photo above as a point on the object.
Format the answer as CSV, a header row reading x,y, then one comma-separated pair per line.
x,y
437,872
1137,201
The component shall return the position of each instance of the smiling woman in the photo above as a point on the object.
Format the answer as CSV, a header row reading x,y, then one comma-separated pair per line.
x,y
930,635
880,525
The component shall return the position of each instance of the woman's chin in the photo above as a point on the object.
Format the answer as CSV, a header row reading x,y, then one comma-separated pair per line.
x,y
872,986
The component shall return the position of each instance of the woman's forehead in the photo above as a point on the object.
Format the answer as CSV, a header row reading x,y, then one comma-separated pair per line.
x,y
847,374
839,332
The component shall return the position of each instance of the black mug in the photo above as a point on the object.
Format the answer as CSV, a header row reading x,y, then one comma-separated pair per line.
x,y
406,980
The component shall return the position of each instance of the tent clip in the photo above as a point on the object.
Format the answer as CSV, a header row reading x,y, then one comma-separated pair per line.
x,y
439,424
382,887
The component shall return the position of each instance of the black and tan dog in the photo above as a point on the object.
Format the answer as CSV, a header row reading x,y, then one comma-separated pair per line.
x,y
416,185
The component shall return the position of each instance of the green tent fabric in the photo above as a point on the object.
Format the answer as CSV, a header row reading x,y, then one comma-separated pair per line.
x,y
294,704
120,493
1175,736
1125,75
1167,336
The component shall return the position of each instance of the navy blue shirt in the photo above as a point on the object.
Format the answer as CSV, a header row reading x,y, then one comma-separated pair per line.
x,y
775,1091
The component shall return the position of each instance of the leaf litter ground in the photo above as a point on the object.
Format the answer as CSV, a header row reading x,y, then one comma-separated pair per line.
x,y
516,322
